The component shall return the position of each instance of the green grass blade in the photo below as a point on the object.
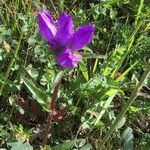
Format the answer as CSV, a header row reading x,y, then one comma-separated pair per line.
x,y
125,108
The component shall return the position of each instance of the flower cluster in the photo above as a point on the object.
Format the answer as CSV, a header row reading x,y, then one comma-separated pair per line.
x,y
63,40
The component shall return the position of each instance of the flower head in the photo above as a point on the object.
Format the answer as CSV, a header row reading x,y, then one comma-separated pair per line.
x,y
63,40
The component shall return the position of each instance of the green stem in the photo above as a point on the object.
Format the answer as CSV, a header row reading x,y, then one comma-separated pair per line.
x,y
52,3
137,27
125,108
61,6
139,11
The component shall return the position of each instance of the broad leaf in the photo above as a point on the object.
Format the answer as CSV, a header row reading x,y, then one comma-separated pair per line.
x,y
19,145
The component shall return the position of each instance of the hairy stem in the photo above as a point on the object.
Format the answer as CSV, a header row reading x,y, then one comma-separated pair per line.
x,y
50,115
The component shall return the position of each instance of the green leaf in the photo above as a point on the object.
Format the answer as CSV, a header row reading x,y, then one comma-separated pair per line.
x,y
111,93
21,17
58,78
19,145
127,138
40,96
113,61
31,40
87,49
82,143
113,13
87,147
24,28
121,123
67,145
84,70
126,72
3,80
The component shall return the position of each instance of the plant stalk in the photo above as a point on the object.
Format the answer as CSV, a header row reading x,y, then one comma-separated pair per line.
x,y
50,115
139,11
125,108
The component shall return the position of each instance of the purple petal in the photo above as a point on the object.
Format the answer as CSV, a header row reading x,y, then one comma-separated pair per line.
x,y
82,37
65,29
67,59
46,25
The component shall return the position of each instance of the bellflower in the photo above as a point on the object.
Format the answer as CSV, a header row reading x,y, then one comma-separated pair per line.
x,y
63,40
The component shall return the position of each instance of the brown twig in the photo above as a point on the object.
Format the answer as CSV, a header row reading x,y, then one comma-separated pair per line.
x,y
50,115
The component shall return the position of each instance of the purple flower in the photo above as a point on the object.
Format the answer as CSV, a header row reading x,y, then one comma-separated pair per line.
x,y
63,40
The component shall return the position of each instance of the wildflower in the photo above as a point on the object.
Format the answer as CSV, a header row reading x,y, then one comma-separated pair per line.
x,y
63,40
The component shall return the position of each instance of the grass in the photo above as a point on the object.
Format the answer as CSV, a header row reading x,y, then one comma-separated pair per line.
x,y
101,104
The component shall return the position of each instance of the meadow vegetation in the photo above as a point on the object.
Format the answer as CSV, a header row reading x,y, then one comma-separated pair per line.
x,y
104,103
